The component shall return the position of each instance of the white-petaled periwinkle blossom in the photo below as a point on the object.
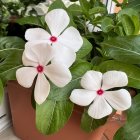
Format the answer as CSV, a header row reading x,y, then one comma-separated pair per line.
x,y
37,62
96,93
61,37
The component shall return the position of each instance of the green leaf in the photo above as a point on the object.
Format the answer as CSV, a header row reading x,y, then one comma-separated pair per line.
x,y
133,17
128,25
85,49
9,66
85,5
30,20
57,5
52,115
135,4
80,69
62,94
9,45
89,124
75,9
133,72
131,130
97,10
125,49
107,24
1,91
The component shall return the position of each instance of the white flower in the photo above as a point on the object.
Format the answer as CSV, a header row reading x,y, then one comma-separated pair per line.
x,y
41,8
62,39
69,3
96,88
37,63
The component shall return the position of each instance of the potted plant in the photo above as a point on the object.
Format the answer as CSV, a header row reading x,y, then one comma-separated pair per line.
x,y
74,55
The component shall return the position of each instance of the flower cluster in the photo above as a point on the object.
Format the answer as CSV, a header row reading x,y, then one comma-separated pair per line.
x,y
49,55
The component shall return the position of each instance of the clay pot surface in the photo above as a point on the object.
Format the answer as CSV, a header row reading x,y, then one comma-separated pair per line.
x,y
23,117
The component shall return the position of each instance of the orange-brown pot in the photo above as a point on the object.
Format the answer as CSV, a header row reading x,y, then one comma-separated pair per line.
x,y
23,117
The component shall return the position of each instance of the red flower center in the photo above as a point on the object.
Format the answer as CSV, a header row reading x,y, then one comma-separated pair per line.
x,y
39,68
100,92
53,39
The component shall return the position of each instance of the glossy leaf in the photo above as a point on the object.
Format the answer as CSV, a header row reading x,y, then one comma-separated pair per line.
x,y
32,20
128,25
85,5
85,49
75,9
56,5
107,24
131,130
9,45
133,18
97,10
80,69
9,66
124,49
133,72
52,115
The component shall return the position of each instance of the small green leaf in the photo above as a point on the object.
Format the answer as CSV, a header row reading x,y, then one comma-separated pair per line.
x,y
75,9
30,20
1,91
133,72
133,15
52,115
89,124
107,24
85,6
125,49
128,25
131,130
97,10
85,49
57,5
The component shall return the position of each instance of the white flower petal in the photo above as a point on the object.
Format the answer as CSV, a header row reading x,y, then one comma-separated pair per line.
x,y
112,79
63,56
42,89
28,62
100,108
71,39
58,74
25,76
57,20
82,97
35,34
39,52
92,80
119,100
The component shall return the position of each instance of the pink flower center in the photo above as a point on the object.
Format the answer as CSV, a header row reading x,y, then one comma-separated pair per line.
x,y
100,92
40,69
53,39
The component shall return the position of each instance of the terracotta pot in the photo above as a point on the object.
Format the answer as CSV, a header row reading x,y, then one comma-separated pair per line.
x,y
23,117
